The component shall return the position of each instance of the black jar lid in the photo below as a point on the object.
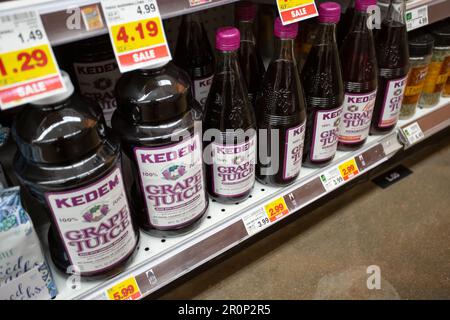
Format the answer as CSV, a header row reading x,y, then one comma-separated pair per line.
x,y
420,44
441,35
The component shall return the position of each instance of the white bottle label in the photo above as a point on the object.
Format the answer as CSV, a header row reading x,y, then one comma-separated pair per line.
x,y
94,223
392,102
172,182
234,167
356,117
325,134
201,89
96,81
293,151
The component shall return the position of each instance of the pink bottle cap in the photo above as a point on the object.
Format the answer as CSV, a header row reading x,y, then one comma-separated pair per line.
x,y
362,5
245,11
227,39
329,12
285,32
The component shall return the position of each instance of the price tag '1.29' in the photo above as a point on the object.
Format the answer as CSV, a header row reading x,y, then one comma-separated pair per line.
x,y
28,69
136,32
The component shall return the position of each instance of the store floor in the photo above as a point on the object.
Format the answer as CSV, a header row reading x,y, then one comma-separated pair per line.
x,y
404,230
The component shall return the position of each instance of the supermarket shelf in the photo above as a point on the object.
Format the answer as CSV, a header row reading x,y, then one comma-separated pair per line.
x,y
160,261
55,14
430,121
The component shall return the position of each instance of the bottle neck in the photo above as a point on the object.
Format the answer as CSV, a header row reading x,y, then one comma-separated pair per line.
x,y
396,12
326,33
226,60
284,49
359,21
246,31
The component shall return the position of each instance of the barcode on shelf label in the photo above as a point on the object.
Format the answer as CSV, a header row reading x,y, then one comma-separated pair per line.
x,y
416,18
331,179
194,3
256,221
413,133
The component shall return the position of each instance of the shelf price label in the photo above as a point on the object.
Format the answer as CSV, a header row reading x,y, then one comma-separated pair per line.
x,y
413,133
331,179
256,221
348,169
276,209
136,32
28,68
416,18
125,290
292,11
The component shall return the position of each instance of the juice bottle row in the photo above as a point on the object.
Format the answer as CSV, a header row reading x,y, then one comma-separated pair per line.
x,y
205,125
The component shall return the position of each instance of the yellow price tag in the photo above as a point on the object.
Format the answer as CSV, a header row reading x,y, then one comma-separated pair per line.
x,y
292,11
348,169
137,34
276,209
26,64
125,290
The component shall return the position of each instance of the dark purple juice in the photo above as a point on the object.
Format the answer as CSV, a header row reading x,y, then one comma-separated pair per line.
x,y
324,90
281,113
161,148
229,123
359,74
249,58
194,55
393,65
69,169
345,22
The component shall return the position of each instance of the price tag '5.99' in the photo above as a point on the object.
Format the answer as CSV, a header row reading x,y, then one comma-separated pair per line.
x,y
28,70
136,32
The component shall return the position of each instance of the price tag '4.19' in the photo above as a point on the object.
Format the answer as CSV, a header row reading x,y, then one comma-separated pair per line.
x,y
136,32
413,133
28,69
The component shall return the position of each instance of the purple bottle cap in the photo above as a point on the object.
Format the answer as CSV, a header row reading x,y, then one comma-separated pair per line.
x,y
285,32
227,39
245,11
362,5
329,12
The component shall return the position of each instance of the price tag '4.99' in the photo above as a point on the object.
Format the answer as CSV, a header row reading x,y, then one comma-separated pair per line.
x,y
28,69
136,32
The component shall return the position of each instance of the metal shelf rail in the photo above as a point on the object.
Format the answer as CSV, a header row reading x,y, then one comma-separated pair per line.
x,y
55,13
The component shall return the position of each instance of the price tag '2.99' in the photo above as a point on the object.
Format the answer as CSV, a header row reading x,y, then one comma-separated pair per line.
x,y
136,32
28,69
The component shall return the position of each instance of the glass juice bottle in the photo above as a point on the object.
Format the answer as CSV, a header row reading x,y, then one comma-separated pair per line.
x,y
194,55
249,58
230,119
391,43
281,114
161,148
359,74
69,169
324,90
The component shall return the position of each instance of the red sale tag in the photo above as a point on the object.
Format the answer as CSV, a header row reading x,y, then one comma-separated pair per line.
x,y
137,33
28,69
292,11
